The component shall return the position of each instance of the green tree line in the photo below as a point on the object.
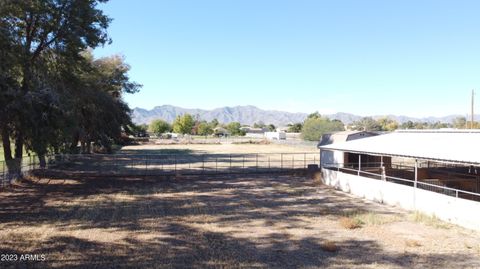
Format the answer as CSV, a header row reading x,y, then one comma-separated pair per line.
x,y
54,94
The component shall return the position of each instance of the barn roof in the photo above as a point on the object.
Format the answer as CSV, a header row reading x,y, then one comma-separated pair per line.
x,y
341,137
439,145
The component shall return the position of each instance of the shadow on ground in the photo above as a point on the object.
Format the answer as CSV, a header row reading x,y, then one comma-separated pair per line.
x,y
220,222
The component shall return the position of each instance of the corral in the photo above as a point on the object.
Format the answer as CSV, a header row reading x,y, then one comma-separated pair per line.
x,y
280,219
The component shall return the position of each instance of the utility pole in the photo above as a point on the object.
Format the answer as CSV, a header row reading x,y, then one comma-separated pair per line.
x,y
473,115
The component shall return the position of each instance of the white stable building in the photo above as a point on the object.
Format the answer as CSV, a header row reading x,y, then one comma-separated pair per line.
x,y
433,171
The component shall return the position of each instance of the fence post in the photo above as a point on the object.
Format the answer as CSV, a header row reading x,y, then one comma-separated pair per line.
x,y
216,165
203,163
230,162
243,161
256,162
293,161
175,167
281,161
304,160
146,165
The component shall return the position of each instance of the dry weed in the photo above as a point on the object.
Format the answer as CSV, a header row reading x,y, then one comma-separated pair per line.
x,y
350,223
329,246
430,220
412,243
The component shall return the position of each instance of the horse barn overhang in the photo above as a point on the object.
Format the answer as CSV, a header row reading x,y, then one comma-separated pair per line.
x,y
450,146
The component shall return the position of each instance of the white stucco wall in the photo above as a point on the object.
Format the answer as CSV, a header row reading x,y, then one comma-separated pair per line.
x,y
330,157
455,210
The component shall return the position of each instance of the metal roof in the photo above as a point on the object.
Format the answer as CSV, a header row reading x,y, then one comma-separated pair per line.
x,y
439,145
341,136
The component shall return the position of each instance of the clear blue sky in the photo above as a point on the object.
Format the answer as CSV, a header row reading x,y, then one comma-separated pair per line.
x,y
416,58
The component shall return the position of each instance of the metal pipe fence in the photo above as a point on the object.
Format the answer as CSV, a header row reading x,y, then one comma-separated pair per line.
x,y
184,164
28,165
96,165
429,186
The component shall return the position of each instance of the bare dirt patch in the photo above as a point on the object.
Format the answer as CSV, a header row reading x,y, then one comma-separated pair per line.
x,y
221,148
268,221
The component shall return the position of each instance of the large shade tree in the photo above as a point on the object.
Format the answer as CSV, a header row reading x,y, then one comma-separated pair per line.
x,y
53,93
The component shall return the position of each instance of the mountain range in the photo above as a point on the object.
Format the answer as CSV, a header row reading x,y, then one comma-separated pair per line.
x,y
251,114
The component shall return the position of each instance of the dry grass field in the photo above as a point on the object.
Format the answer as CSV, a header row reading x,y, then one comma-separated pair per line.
x,y
244,221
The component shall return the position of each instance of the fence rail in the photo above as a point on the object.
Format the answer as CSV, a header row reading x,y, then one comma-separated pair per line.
x,y
429,186
28,164
162,164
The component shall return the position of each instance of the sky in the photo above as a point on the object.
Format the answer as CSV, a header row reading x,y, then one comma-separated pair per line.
x,y
415,58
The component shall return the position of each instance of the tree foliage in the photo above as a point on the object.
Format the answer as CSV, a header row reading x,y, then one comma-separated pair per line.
x,y
314,127
234,129
183,124
205,128
295,128
53,93
159,127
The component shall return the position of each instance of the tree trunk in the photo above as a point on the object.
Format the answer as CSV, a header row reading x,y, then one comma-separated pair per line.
x,y
43,163
73,146
82,147
7,150
19,146
13,165
89,147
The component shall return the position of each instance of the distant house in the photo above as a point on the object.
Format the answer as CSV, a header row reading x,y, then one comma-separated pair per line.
x,y
254,132
276,135
220,131
328,157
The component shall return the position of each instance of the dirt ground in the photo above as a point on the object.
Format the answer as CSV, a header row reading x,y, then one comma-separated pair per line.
x,y
225,148
276,221
245,221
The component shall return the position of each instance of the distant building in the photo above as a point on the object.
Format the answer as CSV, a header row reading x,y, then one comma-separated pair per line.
x,y
220,131
276,135
254,132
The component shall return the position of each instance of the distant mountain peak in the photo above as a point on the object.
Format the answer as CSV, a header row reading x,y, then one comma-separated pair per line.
x,y
249,114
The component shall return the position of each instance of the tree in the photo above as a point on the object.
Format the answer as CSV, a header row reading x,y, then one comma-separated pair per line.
x,y
295,128
214,123
205,128
271,128
39,33
159,127
183,124
314,115
407,125
367,124
315,127
259,124
387,124
459,123
98,113
234,129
